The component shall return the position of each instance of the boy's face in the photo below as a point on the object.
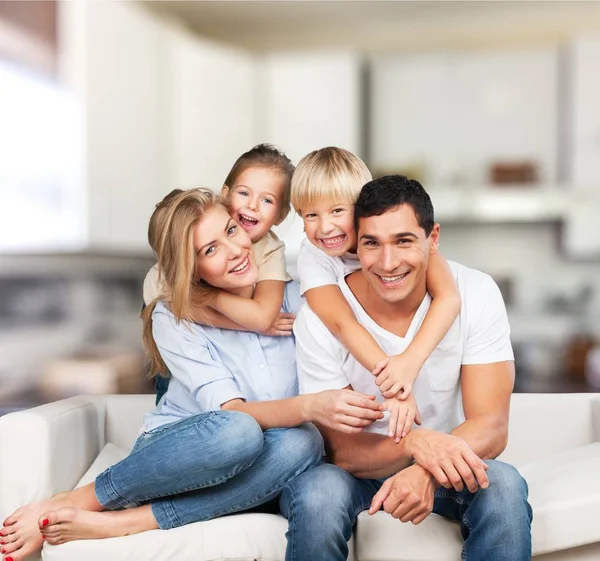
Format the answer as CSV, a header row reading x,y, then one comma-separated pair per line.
x,y
256,199
329,225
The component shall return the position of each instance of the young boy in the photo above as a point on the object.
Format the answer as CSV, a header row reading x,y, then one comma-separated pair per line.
x,y
325,186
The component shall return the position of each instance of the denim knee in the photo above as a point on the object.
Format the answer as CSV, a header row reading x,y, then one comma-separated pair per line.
x,y
245,435
507,492
304,445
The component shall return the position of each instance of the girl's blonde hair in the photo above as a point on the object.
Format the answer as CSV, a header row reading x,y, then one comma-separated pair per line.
x,y
171,235
329,173
267,156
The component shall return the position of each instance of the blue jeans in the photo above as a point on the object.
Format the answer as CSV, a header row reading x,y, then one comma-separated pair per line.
x,y
322,505
206,466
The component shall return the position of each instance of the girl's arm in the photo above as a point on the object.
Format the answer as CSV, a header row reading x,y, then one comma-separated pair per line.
x,y
333,310
403,369
229,311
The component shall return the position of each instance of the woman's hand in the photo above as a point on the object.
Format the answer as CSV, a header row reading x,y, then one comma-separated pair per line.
x,y
346,411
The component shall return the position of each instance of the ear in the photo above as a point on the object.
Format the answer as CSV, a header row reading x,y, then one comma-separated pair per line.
x,y
224,190
434,239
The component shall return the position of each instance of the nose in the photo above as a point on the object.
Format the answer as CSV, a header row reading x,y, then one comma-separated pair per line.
x,y
389,259
233,249
326,226
253,203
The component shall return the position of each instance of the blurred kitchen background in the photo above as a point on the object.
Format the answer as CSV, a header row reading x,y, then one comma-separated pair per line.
x,y
106,106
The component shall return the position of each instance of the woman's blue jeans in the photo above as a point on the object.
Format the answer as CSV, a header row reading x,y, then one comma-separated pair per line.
x,y
206,466
322,504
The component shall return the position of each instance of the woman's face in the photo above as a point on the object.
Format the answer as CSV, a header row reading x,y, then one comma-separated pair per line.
x,y
224,256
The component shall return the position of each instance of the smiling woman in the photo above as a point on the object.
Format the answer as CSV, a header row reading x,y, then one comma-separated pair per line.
x,y
232,395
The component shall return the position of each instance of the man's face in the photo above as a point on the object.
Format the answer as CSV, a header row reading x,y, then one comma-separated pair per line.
x,y
394,252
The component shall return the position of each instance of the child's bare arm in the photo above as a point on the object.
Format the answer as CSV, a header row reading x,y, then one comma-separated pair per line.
x,y
256,314
333,310
403,369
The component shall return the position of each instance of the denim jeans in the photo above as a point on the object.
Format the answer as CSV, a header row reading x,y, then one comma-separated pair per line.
x,y
206,466
322,505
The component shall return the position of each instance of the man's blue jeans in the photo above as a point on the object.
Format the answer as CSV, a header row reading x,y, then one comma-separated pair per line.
x,y
207,466
322,505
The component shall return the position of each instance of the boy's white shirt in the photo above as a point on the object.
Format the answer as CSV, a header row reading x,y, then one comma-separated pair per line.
x,y
269,253
480,335
316,268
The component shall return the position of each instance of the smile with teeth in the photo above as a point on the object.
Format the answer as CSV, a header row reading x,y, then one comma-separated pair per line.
x,y
332,242
246,220
242,266
394,279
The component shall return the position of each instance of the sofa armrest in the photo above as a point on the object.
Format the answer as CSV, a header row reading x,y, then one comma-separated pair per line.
x,y
47,449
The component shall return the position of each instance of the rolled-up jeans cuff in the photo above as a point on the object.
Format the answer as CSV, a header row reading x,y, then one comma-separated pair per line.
x,y
106,494
165,516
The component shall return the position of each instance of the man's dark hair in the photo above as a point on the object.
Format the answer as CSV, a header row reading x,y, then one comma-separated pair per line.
x,y
388,192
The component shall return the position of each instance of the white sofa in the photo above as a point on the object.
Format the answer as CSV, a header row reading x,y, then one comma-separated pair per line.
x,y
554,441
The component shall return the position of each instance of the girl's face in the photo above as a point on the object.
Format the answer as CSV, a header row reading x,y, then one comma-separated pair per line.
x,y
256,199
224,256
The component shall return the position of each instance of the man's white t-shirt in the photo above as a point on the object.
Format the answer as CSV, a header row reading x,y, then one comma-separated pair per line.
x,y
480,335
316,268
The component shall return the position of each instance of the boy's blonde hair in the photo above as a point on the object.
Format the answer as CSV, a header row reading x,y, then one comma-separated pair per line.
x,y
329,173
266,156
171,235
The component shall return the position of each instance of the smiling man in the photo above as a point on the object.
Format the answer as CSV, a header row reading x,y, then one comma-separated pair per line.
x,y
447,466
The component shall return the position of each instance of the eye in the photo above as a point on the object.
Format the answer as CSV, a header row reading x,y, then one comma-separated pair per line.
x,y
337,210
268,201
231,230
310,215
243,193
403,241
370,243
210,250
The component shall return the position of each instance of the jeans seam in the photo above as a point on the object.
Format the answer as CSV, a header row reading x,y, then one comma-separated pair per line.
x,y
292,540
111,492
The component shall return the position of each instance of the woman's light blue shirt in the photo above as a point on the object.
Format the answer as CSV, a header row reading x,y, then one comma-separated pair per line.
x,y
210,366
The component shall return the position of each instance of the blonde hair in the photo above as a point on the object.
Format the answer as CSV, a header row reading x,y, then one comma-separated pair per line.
x,y
171,235
267,156
328,173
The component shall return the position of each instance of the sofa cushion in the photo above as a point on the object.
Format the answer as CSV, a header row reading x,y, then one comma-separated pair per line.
x,y
110,455
564,492
383,538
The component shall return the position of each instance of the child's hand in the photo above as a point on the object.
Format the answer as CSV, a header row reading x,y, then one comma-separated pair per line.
x,y
282,326
402,416
395,376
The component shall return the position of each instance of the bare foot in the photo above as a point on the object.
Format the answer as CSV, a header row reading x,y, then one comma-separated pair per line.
x,y
21,533
68,524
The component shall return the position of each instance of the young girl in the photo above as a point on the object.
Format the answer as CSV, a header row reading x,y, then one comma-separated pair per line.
x,y
202,452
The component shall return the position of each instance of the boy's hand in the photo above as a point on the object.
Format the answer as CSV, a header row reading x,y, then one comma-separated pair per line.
x,y
282,326
395,375
402,416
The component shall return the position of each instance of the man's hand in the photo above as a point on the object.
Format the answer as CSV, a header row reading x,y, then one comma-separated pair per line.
x,y
342,410
402,416
449,459
395,375
407,496
282,326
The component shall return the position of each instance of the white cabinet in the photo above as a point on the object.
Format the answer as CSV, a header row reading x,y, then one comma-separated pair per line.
x,y
454,114
161,109
213,106
584,111
312,100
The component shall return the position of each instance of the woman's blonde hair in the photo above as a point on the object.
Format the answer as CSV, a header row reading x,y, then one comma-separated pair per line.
x,y
329,173
171,236
266,156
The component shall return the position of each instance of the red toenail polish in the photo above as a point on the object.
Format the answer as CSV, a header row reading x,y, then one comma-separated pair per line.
x,y
45,522
8,559
2,551
44,537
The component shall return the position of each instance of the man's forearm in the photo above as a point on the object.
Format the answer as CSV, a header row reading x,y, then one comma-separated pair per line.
x,y
366,455
486,435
